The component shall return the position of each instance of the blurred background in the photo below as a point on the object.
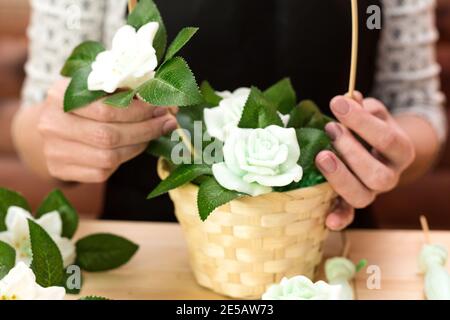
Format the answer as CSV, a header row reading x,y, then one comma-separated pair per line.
x,y
398,209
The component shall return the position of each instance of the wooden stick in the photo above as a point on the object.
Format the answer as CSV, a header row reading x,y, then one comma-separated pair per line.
x,y
347,245
131,5
354,58
425,228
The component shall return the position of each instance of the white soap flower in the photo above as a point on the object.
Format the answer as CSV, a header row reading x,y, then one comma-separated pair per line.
x,y
20,284
222,119
130,62
17,234
301,288
255,160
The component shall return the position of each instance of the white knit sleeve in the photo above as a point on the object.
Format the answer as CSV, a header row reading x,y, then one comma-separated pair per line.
x,y
56,28
407,80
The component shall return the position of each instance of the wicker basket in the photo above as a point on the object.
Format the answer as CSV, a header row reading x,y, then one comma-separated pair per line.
x,y
252,243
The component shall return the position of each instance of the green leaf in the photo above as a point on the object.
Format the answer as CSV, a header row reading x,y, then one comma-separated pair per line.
x,y
361,265
162,147
47,262
146,11
8,199
77,94
94,298
308,115
101,252
259,112
283,95
120,99
311,141
174,85
82,56
183,174
56,201
209,94
7,259
211,195
183,37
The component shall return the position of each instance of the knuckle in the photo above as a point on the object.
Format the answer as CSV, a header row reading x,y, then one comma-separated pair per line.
x,y
105,136
104,113
382,179
110,158
363,201
387,139
100,176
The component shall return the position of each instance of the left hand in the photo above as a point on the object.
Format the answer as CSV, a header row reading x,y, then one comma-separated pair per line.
x,y
358,175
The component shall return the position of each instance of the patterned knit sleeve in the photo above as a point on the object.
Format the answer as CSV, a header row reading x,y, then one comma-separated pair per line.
x,y
58,26
407,80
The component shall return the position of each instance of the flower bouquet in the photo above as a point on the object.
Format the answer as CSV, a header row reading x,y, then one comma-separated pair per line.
x,y
39,259
247,192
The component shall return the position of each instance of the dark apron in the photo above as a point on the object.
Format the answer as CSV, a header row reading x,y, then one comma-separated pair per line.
x,y
253,42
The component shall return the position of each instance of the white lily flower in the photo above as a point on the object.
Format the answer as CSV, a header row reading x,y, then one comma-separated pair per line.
x,y
302,288
17,234
258,159
222,119
20,284
131,61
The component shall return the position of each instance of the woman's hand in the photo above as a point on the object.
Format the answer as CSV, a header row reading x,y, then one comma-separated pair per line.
x,y
355,173
89,144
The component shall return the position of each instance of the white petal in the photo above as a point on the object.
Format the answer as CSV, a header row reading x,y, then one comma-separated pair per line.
x,y
281,180
15,214
214,123
19,282
227,179
288,137
147,33
51,293
67,249
51,222
124,39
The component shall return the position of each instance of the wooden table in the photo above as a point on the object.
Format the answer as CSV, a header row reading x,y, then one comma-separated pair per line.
x,y
160,269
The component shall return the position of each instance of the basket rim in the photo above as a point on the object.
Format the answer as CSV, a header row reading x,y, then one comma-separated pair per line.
x,y
325,187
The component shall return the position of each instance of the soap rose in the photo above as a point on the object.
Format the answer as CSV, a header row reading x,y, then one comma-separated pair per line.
x,y
301,288
17,234
20,284
255,160
130,62
221,120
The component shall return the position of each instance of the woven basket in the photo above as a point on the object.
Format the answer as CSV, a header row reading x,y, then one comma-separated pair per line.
x,y
251,243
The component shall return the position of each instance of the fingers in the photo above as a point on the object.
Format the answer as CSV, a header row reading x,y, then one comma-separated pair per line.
x,y
61,152
374,174
341,217
343,181
138,111
104,135
386,138
71,173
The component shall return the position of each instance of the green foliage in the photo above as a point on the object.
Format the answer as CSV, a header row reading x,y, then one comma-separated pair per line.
x,y
120,99
282,94
259,112
81,57
180,41
94,298
308,115
174,85
212,195
56,201
7,259
102,252
8,199
209,94
47,262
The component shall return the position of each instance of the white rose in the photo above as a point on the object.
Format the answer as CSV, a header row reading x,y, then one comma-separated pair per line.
x,y
222,119
20,284
130,63
301,288
255,160
17,234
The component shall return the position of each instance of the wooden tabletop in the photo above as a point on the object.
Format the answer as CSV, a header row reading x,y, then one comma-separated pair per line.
x,y
160,269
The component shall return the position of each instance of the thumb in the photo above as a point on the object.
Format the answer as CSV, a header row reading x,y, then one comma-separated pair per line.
x,y
341,216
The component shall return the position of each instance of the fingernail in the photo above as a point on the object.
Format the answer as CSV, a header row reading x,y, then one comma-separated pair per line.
x,y
327,163
340,106
170,126
333,130
159,112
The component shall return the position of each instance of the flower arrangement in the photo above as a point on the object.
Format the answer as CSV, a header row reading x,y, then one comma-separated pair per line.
x,y
257,143
138,64
44,244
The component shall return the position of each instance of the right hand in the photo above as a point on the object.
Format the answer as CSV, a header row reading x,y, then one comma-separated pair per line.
x,y
89,144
